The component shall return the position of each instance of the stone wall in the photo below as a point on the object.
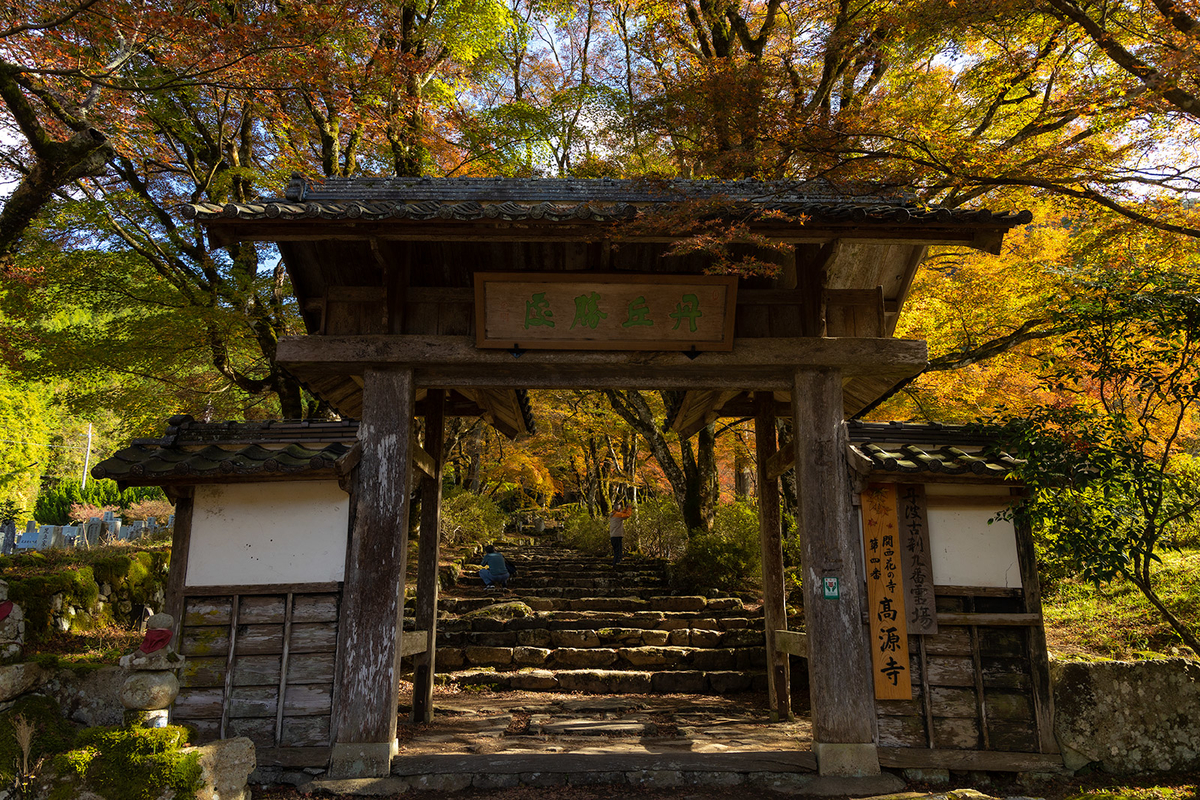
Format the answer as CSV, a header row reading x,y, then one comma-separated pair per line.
x,y
1129,716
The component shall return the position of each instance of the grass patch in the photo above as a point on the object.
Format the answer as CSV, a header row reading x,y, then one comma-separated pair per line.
x,y
1116,621
100,646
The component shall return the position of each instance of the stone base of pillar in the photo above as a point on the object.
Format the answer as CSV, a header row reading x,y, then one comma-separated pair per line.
x,y
362,759
846,760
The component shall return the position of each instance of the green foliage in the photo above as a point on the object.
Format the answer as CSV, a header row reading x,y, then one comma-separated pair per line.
x,y
52,732
1111,484
54,503
25,428
133,763
470,518
727,557
656,529
586,533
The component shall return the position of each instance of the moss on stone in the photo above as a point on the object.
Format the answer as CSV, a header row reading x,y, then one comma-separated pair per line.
x,y
132,763
35,594
513,609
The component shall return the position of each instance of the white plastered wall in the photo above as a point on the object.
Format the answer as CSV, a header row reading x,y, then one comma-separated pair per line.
x,y
268,533
967,551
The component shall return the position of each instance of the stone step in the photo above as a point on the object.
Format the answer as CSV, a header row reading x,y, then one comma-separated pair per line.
x,y
517,586
528,582
578,621
720,607
766,772
610,681
603,638
619,659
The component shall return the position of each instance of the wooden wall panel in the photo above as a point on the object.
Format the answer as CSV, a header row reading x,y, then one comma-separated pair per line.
x,y
977,690
278,645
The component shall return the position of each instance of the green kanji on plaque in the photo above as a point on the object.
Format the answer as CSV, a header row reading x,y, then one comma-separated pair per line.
x,y
687,308
639,314
537,312
587,311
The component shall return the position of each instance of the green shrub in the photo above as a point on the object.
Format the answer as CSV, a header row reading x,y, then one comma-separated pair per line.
x,y
727,557
469,518
656,529
54,503
586,533
131,764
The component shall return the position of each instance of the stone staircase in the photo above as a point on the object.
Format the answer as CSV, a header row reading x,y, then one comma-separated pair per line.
x,y
571,623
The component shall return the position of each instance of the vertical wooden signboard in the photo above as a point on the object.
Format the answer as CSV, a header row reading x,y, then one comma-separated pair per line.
x,y
916,560
885,595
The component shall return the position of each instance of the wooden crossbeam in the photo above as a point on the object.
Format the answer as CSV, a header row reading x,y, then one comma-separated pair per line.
x,y
454,361
423,461
413,642
1016,620
783,460
793,643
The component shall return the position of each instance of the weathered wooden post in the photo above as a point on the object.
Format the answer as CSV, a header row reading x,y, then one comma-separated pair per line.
x,y
366,695
843,706
427,557
771,542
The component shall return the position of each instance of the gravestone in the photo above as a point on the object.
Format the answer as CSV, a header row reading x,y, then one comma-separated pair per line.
x,y
29,538
171,521
70,535
49,537
114,528
9,530
93,531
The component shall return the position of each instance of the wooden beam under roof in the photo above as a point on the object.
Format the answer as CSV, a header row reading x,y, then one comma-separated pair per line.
x,y
501,408
454,362
700,408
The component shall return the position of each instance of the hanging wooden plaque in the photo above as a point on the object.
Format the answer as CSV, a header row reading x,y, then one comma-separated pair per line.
x,y
573,311
916,559
890,662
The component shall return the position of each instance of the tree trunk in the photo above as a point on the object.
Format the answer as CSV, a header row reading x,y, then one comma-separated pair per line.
x,y
693,476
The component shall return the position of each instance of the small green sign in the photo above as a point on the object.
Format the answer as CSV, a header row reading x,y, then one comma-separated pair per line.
x,y
832,590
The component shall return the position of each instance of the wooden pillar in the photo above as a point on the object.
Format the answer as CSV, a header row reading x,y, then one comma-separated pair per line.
x,y
367,691
427,557
181,543
843,705
770,536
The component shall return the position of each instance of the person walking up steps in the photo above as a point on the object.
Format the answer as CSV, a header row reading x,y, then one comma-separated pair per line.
x,y
616,531
495,571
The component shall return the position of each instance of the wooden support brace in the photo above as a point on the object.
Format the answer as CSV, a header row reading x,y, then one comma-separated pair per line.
x,y
770,537
413,643
423,462
781,461
427,558
793,643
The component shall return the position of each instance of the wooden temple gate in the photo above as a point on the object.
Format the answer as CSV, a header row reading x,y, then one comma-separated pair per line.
x,y
434,297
